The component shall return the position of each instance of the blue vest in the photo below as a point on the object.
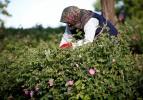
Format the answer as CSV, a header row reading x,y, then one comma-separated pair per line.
x,y
102,21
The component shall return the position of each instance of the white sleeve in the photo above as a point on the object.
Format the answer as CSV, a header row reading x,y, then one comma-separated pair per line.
x,y
90,30
67,37
67,30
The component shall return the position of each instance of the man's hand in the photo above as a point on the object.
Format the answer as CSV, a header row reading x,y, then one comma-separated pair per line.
x,y
66,45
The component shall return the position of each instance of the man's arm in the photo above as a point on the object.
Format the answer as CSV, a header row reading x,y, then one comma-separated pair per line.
x,y
89,29
67,38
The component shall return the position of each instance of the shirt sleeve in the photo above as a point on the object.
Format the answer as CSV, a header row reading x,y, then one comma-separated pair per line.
x,y
90,30
67,37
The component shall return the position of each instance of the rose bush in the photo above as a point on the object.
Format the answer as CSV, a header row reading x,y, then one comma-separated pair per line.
x,y
33,67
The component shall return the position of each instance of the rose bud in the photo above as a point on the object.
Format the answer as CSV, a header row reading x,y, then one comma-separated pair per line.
x,y
26,92
51,82
113,60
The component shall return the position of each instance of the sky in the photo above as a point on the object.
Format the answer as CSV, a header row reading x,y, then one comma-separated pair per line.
x,y
28,13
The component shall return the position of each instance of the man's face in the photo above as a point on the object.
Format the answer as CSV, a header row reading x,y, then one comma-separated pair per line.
x,y
70,20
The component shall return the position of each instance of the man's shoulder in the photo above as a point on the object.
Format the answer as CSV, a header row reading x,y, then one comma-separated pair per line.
x,y
92,22
98,12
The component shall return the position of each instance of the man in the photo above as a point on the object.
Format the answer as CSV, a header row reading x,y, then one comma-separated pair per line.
x,y
82,21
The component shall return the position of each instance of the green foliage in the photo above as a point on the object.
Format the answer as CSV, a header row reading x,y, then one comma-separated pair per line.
x,y
133,28
3,6
134,8
3,11
32,66
97,5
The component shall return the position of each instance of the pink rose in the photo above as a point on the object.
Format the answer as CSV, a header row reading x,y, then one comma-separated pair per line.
x,y
70,83
91,71
31,93
26,92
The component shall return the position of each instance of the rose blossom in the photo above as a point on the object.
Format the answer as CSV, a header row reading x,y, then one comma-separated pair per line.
x,y
91,71
31,93
70,83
